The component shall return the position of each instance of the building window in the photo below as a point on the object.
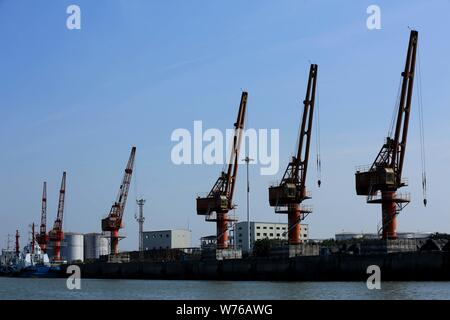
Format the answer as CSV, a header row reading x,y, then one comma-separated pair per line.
x,y
258,234
284,228
240,228
278,234
271,228
278,228
265,234
271,234
146,236
240,234
167,235
264,227
240,240
258,227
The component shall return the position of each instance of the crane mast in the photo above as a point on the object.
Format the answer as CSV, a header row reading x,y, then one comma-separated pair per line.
x,y
56,235
381,181
42,237
113,222
220,199
290,193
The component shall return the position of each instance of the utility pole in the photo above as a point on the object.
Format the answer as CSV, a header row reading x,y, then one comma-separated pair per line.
x,y
247,161
140,219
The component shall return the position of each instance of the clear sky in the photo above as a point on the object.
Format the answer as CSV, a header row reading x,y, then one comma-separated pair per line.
x,y
77,100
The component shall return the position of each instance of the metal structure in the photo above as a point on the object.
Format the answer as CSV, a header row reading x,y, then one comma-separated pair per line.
x,y
42,238
56,235
17,243
140,219
291,191
382,179
113,222
219,201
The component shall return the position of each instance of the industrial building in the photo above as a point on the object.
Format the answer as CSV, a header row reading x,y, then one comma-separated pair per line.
x,y
264,230
167,239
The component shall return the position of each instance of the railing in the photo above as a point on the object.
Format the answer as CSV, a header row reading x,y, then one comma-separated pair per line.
x,y
406,197
363,168
303,208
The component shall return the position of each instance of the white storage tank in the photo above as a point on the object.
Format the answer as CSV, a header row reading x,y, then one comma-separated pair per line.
x,y
95,245
72,247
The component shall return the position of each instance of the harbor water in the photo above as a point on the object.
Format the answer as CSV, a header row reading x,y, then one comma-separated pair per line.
x,y
33,288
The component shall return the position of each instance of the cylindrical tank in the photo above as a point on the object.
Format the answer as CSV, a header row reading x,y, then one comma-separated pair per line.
x,y
72,247
95,245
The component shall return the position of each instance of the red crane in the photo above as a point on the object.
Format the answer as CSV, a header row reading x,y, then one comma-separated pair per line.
x,y
42,237
382,179
287,196
220,199
113,222
56,235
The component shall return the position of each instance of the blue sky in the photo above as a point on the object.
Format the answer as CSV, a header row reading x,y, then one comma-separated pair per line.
x,y
77,100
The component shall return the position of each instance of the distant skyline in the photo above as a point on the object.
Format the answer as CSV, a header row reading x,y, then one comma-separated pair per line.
x,y
78,100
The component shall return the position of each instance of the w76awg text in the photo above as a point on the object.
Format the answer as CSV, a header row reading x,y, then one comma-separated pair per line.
x,y
228,309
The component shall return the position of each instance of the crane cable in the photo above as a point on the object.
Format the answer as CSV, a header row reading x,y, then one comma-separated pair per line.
x,y
318,153
422,130
395,110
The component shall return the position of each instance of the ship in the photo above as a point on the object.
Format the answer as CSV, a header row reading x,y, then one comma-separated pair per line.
x,y
32,262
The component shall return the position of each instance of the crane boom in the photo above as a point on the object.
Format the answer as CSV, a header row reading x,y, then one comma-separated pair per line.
x,y
57,226
56,235
42,238
291,191
405,106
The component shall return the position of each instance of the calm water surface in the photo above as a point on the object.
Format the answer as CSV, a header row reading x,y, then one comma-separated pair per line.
x,y
14,288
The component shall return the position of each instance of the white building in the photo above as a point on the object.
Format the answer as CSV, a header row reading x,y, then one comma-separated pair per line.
x,y
264,230
167,239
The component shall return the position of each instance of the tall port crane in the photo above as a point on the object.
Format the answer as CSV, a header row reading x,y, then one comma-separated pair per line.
x,y
56,235
288,195
42,237
381,180
220,199
113,222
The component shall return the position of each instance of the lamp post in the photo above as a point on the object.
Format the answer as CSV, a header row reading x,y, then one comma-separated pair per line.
x,y
247,161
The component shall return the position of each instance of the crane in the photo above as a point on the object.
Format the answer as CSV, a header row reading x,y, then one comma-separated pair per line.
x,y
56,235
220,199
42,237
382,179
287,196
113,222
